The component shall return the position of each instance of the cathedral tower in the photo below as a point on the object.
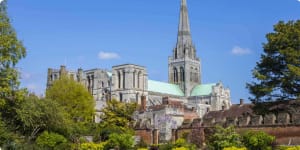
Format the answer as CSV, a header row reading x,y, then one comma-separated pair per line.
x,y
184,65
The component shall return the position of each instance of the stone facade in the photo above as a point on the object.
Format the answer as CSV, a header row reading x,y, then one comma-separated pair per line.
x,y
188,97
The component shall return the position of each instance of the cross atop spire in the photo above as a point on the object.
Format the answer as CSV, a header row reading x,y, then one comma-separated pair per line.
x,y
184,32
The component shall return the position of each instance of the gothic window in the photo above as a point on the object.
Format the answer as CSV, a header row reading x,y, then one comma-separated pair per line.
x,y
137,98
123,79
175,75
121,97
133,79
102,84
182,75
119,80
191,76
108,83
175,53
138,79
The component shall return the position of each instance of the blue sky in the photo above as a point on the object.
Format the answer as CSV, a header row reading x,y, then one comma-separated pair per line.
x,y
101,33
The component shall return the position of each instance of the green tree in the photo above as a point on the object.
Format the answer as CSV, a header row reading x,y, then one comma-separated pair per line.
x,y
116,117
74,98
11,51
224,137
258,140
37,115
277,74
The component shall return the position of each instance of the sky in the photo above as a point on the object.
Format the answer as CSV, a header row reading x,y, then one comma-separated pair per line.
x,y
102,33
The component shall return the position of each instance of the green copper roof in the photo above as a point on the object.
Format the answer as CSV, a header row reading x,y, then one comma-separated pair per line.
x,y
202,89
166,88
109,74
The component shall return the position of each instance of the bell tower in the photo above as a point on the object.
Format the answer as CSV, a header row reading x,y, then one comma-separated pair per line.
x,y
184,65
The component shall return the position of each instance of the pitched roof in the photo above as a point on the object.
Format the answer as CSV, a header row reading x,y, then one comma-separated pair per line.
x,y
202,89
165,88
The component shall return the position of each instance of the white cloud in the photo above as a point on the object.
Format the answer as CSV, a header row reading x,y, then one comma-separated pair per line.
x,y
32,87
108,55
298,0
240,51
1,1
25,75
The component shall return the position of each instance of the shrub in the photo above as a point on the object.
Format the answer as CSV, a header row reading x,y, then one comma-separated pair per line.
x,y
92,146
50,140
257,140
235,148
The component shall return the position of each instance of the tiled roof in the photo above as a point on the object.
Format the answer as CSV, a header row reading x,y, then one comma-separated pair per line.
x,y
202,89
165,88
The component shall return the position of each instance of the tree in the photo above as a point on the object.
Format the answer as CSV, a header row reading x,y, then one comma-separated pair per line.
x,y
116,117
277,74
37,115
74,98
224,137
11,51
258,140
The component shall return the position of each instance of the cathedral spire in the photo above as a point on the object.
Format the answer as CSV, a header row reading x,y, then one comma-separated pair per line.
x,y
184,32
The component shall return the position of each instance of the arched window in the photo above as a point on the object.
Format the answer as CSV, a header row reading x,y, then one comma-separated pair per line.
x,y
121,97
102,84
139,78
182,75
119,80
133,79
175,53
175,76
124,80
137,98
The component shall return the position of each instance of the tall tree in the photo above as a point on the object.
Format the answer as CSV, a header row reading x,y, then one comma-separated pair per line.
x,y
277,74
73,97
11,51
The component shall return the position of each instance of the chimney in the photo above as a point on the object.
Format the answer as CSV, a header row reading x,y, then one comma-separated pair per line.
x,y
241,101
143,103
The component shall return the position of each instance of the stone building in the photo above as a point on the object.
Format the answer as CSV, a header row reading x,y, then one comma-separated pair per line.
x,y
129,82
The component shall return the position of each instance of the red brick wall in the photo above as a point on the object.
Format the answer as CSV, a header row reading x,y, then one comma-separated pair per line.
x,y
145,134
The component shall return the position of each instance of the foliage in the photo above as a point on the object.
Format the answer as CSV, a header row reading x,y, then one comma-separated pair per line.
x,y
92,146
120,141
182,143
50,140
116,118
224,137
277,74
257,140
37,115
289,148
235,148
73,97
11,51
180,148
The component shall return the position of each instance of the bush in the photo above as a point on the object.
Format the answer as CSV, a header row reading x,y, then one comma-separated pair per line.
x,y
92,146
289,148
258,140
122,141
51,140
235,148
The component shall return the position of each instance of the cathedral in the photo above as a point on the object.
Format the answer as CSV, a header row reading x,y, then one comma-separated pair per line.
x,y
166,105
